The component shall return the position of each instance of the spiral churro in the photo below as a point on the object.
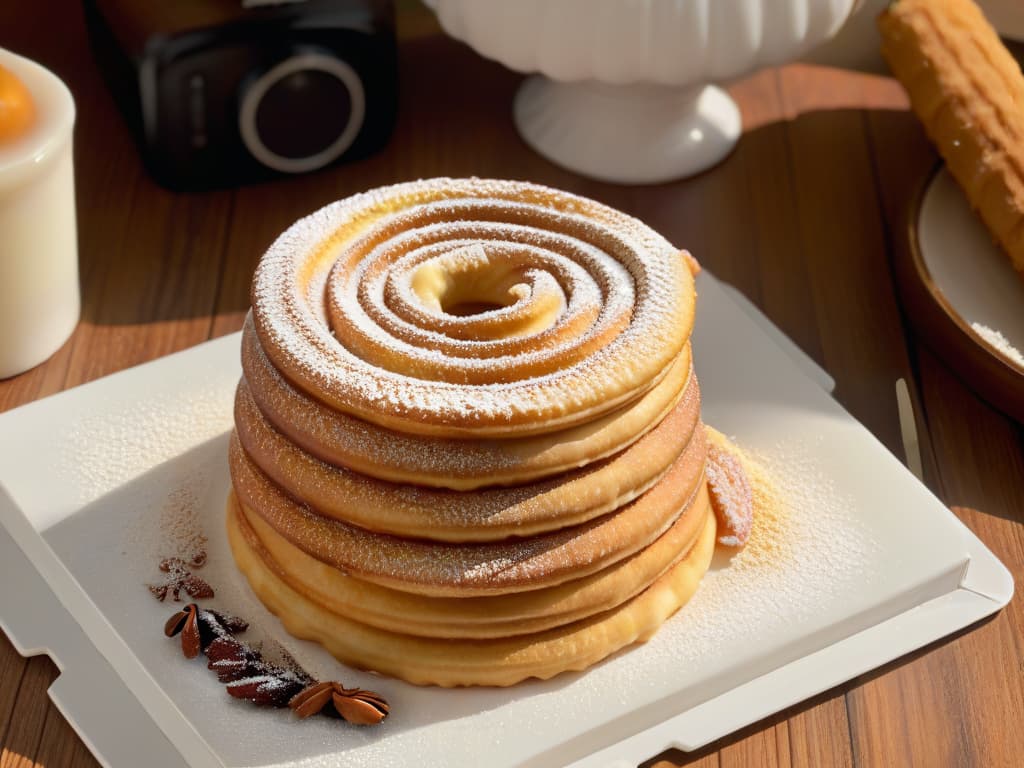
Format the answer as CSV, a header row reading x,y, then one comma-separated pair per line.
x,y
468,446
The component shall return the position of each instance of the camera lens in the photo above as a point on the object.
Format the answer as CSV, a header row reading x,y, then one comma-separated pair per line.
x,y
302,113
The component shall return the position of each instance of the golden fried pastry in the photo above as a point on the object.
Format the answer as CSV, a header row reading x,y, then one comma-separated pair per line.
x,y
470,617
969,92
456,662
343,279
487,515
462,465
464,570
468,446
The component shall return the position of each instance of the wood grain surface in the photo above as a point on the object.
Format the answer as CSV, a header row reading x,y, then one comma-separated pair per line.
x,y
802,217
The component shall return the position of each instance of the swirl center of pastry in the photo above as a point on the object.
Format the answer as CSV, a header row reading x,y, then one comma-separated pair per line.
x,y
497,297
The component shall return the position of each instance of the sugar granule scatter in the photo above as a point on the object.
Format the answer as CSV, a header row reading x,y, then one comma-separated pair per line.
x,y
996,339
805,547
108,448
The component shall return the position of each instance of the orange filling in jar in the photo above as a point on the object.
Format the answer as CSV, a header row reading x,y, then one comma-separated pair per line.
x,y
17,110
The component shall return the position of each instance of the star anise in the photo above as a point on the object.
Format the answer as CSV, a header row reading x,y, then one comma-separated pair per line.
x,y
249,676
214,624
354,705
199,628
198,560
180,578
274,688
231,660
184,623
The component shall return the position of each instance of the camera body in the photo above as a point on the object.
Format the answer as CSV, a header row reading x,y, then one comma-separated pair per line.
x,y
219,93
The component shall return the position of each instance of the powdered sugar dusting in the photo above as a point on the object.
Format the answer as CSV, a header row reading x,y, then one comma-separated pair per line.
x,y
485,568
168,540
181,532
378,315
345,440
339,246
999,341
493,513
105,450
806,547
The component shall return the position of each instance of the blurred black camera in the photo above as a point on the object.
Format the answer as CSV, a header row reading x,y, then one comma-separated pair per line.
x,y
221,92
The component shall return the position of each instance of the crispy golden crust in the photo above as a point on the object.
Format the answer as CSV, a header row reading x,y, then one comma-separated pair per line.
x,y
352,305
463,465
463,570
468,446
471,617
969,92
485,515
498,662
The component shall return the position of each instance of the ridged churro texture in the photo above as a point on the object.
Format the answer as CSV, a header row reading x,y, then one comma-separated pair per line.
x,y
969,92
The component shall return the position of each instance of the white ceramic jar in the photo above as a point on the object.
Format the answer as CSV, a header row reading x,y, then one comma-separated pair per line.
x,y
39,291
624,92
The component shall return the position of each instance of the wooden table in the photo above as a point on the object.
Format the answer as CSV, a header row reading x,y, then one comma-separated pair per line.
x,y
802,218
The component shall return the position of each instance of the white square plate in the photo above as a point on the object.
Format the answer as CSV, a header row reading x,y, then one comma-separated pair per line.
x,y
865,565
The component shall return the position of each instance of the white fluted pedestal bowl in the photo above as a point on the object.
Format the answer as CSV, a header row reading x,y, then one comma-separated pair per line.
x,y
623,89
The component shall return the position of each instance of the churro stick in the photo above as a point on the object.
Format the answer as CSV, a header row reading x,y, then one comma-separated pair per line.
x,y
969,92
